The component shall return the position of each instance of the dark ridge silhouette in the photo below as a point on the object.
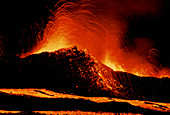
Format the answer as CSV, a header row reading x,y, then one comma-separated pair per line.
x,y
73,71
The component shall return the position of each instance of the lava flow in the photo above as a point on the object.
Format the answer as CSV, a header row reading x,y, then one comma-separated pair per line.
x,y
43,93
97,27
64,113
83,55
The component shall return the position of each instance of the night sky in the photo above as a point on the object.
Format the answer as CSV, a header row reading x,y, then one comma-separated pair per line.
x,y
18,20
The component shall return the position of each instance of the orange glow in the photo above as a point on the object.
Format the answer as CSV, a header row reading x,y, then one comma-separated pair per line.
x,y
9,112
101,33
51,94
80,113
158,106
67,113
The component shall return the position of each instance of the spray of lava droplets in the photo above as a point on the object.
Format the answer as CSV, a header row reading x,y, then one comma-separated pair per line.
x,y
97,26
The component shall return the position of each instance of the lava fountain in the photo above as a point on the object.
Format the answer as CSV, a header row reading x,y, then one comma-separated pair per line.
x,y
100,27
87,73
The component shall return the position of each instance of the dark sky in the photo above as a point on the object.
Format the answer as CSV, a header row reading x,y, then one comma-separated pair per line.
x,y
156,28
16,19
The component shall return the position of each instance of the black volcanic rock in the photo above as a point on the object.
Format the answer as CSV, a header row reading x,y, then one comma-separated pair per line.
x,y
70,70
74,71
29,104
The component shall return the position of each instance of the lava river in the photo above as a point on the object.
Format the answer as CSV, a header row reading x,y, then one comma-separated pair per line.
x,y
43,93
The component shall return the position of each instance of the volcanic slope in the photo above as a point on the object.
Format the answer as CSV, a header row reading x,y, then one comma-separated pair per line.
x,y
74,71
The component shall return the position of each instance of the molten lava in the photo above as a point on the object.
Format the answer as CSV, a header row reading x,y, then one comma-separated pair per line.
x,y
101,33
97,28
43,93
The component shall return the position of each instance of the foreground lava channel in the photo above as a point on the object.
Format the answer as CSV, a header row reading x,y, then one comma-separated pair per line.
x,y
44,93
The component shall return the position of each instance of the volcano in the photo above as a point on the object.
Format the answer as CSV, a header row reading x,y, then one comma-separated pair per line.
x,y
84,57
75,72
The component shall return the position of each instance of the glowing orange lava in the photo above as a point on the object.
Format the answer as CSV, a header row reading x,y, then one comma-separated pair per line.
x,y
67,113
158,106
9,112
98,28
